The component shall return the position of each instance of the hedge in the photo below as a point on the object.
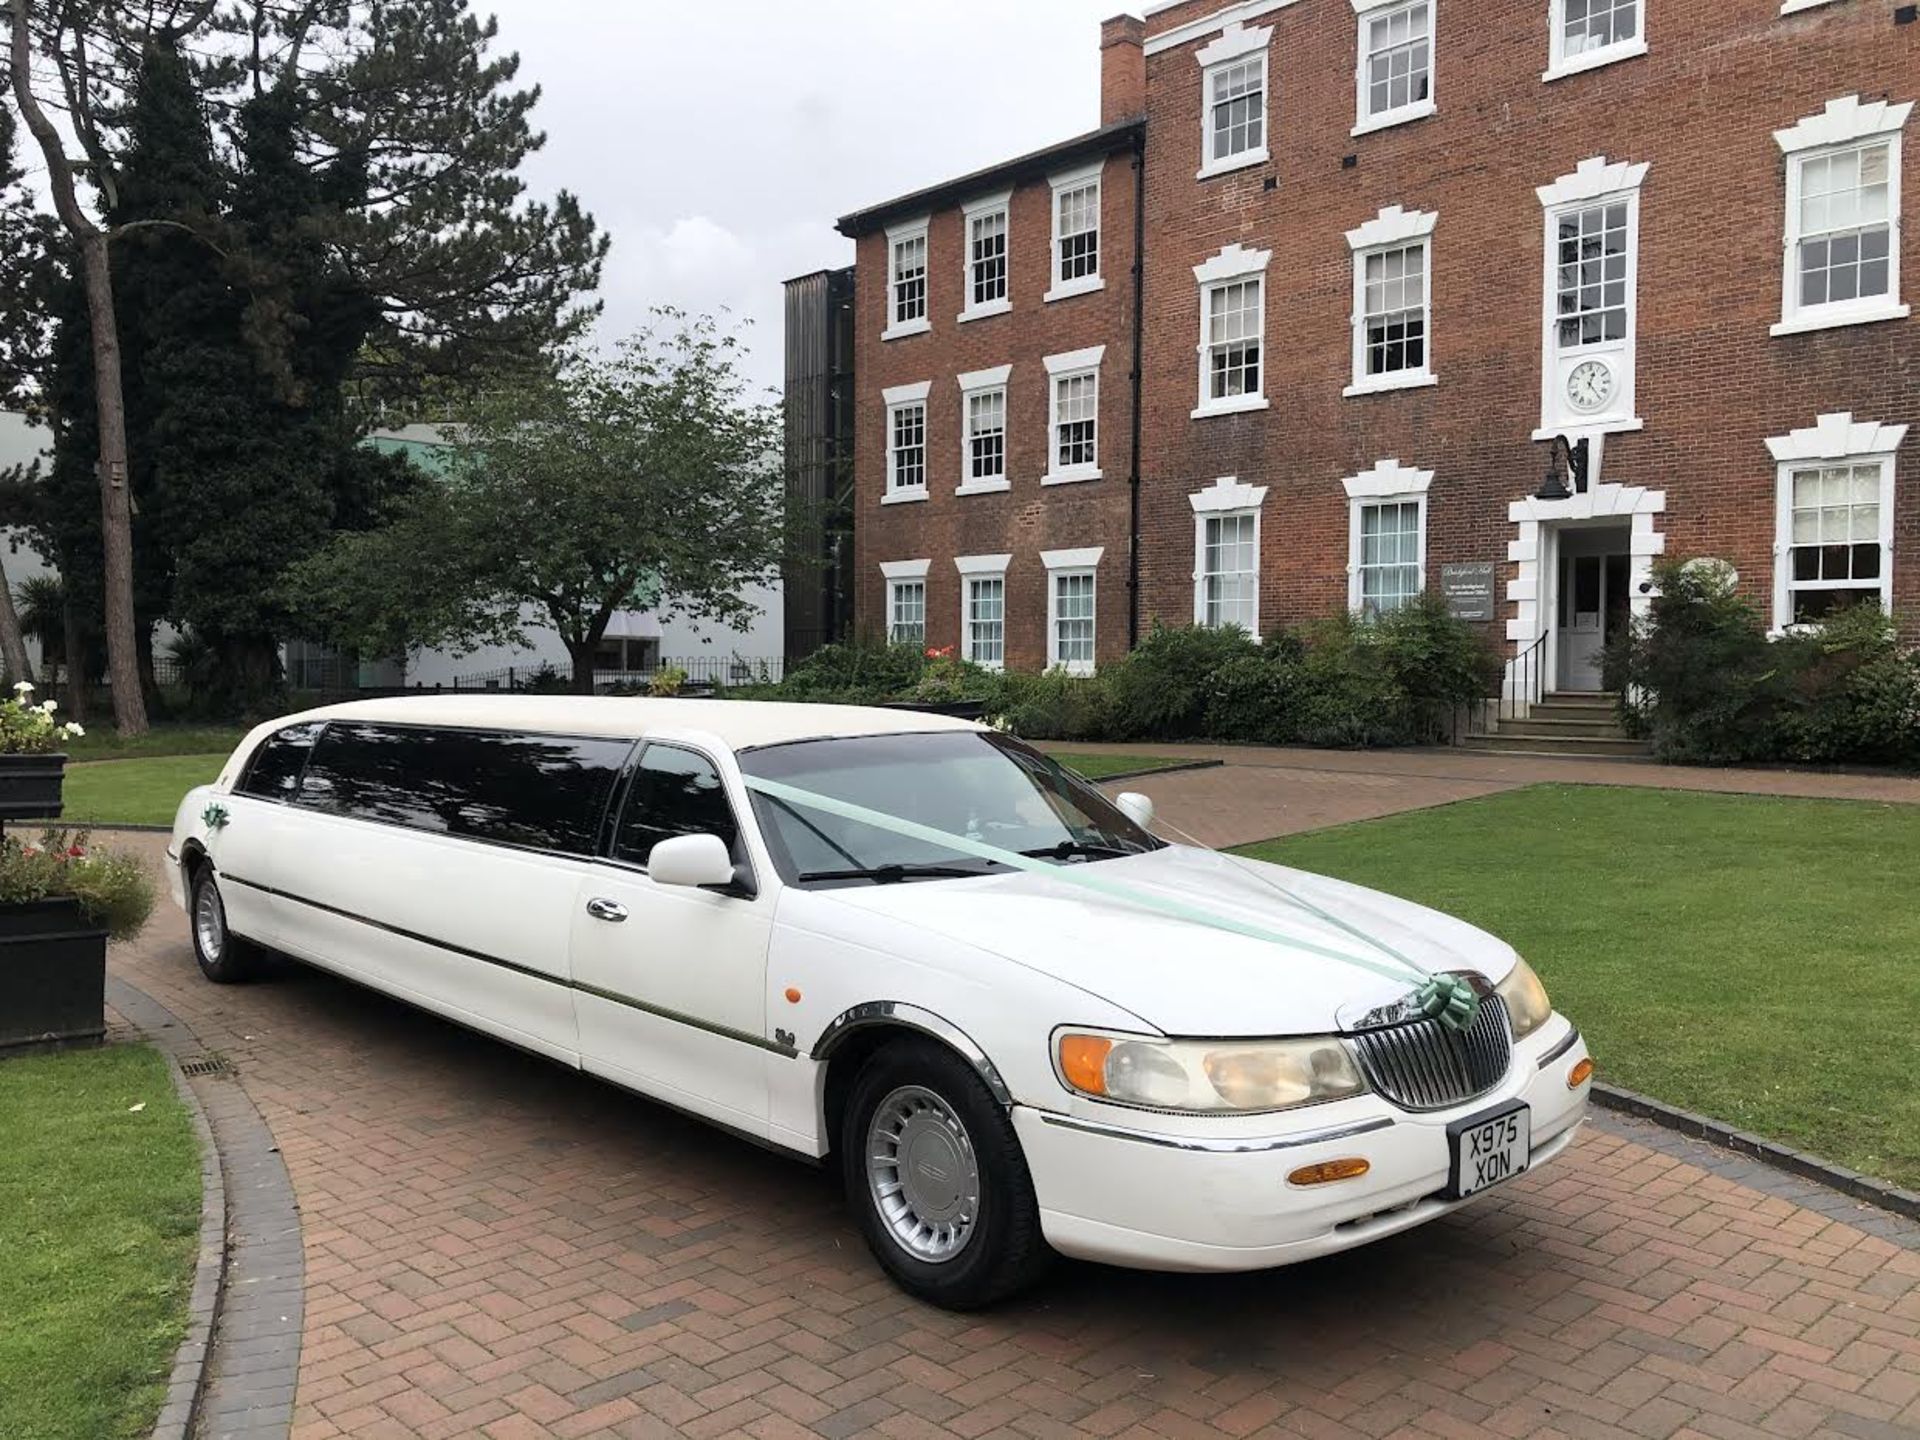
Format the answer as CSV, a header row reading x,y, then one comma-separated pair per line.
x,y
1704,683
1396,680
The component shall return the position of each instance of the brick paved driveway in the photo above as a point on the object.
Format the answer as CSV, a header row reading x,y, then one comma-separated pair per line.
x,y
498,1247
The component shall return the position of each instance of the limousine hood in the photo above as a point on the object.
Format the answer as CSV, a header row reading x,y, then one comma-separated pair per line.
x,y
1186,977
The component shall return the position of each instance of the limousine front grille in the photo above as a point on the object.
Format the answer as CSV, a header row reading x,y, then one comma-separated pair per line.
x,y
1423,1065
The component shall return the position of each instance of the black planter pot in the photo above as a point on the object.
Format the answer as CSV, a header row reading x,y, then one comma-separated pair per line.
x,y
959,709
53,975
30,786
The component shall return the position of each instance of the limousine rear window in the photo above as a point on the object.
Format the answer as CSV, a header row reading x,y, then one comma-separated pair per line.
x,y
545,792
274,771
970,783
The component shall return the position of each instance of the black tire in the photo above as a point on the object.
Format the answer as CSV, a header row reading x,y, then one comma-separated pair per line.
x,y
1003,1251
224,957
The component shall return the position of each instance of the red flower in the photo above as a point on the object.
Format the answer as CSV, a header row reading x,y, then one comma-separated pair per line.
x,y
943,652
76,852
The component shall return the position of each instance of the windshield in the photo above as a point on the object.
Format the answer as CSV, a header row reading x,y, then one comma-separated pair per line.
x,y
985,787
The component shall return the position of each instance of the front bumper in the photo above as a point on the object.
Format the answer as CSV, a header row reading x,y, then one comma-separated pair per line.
x,y
1164,1200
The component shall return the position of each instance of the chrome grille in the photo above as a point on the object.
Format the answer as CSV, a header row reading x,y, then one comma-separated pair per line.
x,y
1422,1065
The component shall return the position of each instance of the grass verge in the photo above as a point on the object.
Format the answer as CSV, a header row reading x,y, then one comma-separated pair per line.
x,y
99,1222
102,743
131,792
1752,958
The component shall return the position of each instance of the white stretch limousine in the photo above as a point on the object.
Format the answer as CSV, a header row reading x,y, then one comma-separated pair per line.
x,y
1018,1021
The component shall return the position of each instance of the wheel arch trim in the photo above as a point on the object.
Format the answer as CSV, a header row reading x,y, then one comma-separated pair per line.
x,y
899,1014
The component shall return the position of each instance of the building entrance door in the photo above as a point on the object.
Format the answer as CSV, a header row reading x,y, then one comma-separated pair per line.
x,y
1593,605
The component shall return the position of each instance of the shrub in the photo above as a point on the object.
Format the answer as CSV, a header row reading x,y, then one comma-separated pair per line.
x,y
1253,698
1055,705
1439,662
856,673
1161,690
1703,682
1349,697
1848,692
666,681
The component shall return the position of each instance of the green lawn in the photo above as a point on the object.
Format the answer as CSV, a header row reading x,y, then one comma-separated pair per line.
x,y
133,792
1098,767
99,1223
102,743
1755,959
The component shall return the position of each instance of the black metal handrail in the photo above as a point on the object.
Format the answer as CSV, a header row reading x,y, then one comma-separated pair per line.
x,y
1525,683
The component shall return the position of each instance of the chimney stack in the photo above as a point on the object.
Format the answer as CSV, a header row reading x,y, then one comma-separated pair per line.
x,y
1123,69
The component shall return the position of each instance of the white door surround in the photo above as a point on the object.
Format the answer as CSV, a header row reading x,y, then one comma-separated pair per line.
x,y
1535,551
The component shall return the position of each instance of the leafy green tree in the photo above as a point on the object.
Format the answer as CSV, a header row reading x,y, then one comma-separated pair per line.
x,y
647,480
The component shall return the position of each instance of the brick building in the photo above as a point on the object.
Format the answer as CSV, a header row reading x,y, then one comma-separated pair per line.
x,y
1393,255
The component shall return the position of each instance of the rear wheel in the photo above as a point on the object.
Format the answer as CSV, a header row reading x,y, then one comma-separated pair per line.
x,y
224,957
937,1178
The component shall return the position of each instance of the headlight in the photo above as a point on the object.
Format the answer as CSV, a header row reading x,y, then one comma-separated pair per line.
x,y
1527,1003
1207,1077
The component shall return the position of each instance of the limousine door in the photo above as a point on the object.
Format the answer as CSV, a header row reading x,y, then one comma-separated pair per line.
x,y
670,982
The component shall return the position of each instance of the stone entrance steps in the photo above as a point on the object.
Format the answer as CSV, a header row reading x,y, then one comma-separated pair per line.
x,y
1565,723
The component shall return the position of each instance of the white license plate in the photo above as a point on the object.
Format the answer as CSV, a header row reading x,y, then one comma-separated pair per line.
x,y
1489,1148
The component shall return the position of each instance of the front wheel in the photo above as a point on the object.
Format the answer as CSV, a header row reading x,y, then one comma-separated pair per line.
x,y
224,957
937,1179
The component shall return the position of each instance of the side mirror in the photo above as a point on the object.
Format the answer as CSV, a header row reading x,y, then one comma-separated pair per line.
x,y
1136,807
693,860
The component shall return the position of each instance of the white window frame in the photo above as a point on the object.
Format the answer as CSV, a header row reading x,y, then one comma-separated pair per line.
x,y
1560,64
1834,439
900,573
974,568
1595,181
898,398
1070,564
1392,229
1061,185
1073,365
1388,483
1233,264
1234,44
1845,124
1366,12
972,214
1225,498
896,236
980,383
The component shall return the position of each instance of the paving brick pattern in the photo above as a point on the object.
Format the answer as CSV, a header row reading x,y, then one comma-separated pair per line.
x,y
496,1247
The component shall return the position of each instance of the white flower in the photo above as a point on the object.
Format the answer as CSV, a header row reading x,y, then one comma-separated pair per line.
x,y
47,707
23,688
74,732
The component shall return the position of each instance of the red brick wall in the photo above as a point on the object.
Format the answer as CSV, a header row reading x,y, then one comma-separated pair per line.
x,y
1712,384
1027,518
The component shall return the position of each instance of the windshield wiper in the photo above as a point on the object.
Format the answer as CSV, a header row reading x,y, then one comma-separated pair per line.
x,y
1066,849
891,874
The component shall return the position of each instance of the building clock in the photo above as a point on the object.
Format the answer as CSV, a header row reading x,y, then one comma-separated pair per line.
x,y
1590,386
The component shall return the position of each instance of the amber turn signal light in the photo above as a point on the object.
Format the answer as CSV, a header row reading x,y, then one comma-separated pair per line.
x,y
1083,1061
1580,1074
1328,1171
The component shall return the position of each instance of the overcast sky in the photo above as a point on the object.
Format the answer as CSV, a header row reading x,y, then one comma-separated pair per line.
x,y
717,142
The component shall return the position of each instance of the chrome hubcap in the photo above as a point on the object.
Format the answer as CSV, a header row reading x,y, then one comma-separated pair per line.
x,y
209,922
923,1175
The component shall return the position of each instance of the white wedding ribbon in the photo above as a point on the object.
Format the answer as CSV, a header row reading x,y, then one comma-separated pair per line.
x,y
1401,969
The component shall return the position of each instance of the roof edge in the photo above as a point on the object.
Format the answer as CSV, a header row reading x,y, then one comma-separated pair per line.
x,y
1107,139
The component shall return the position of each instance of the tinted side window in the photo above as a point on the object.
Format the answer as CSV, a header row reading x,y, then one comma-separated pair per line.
x,y
274,771
543,791
674,792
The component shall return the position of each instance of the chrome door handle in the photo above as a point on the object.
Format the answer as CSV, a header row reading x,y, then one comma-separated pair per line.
x,y
602,909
